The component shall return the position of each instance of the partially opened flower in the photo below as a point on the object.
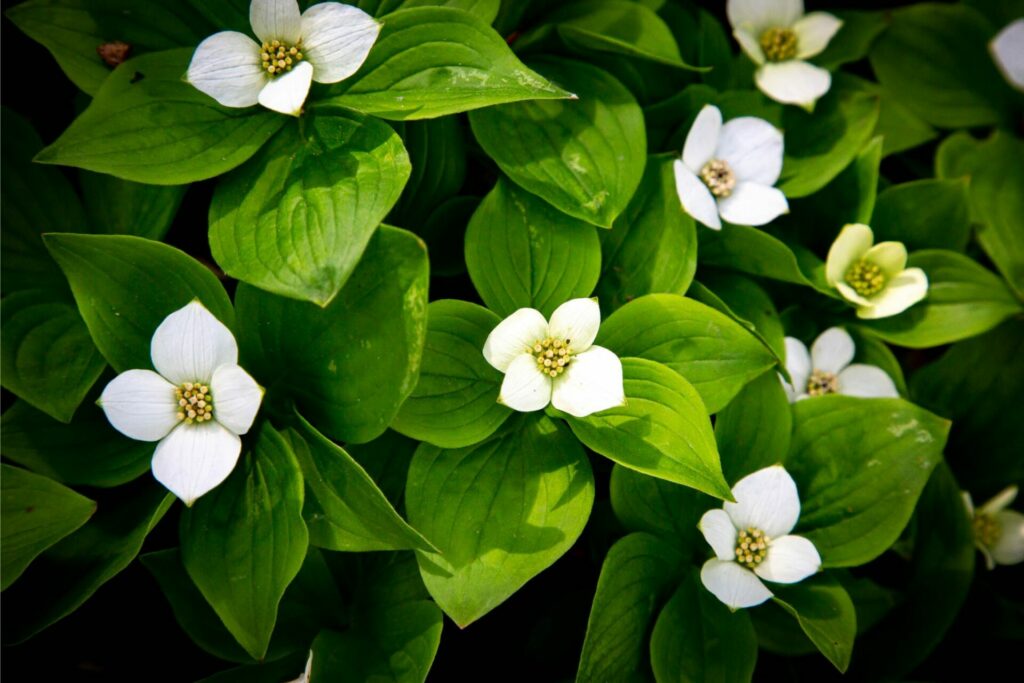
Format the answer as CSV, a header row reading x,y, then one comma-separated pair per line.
x,y
827,369
327,43
555,362
728,170
998,532
874,278
778,36
1007,50
752,542
196,404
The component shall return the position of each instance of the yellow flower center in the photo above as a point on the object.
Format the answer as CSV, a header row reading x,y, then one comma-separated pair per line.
x,y
986,529
865,277
719,178
821,383
751,547
277,57
195,403
553,355
779,44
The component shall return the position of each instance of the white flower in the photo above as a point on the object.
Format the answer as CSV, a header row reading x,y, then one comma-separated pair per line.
x,y
729,170
998,532
327,43
874,278
751,539
827,369
778,36
304,676
1007,50
555,362
196,407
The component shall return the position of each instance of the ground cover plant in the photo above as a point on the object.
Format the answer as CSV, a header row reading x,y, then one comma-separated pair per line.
x,y
597,340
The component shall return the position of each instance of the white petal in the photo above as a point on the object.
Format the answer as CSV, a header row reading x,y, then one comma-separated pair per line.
x,y
1009,549
720,533
702,139
798,362
853,242
850,294
732,584
765,500
514,336
695,196
236,398
832,350
195,458
276,20
226,66
591,383
1007,50
968,503
286,94
813,32
866,381
753,149
749,44
141,405
190,344
789,559
759,15
792,395
577,321
753,204
998,501
336,40
891,257
525,388
793,82
899,294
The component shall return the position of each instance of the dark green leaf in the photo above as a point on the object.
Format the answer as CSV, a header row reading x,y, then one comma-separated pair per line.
x,y
121,207
924,214
754,431
749,304
854,39
754,251
437,153
825,612
644,503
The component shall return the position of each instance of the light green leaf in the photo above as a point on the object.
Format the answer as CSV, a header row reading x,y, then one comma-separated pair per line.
x,y
825,612
121,207
485,10
754,251
924,214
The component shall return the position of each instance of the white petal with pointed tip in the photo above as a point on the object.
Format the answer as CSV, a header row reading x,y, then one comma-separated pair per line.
x,y
190,344
286,94
753,149
813,33
1009,549
226,66
999,501
793,82
732,584
891,257
525,388
514,336
720,533
578,321
798,363
336,40
900,293
763,14
236,398
853,242
591,383
765,500
753,204
702,139
866,381
193,459
1007,50
750,45
141,405
276,20
695,196
832,351
789,559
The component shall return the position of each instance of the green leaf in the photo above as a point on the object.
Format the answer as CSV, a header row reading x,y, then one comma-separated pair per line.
x,y
522,253
754,251
755,430
900,128
437,154
873,351
697,638
432,61
825,612
125,286
485,10
924,214
346,510
849,197
840,446
659,507
854,39
663,429
37,513
652,247
121,207
148,125
964,299
638,575
500,512
715,354
296,219
583,156
243,542
350,365
455,402
749,305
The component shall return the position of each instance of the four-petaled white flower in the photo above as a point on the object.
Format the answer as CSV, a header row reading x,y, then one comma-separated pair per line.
x,y
751,539
1007,50
196,407
778,36
827,369
555,362
728,170
874,278
327,43
998,532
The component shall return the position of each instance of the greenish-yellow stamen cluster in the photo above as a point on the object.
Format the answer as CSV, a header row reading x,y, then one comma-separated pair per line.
x,y
553,355
719,178
986,529
276,57
779,44
195,403
865,277
751,547
821,383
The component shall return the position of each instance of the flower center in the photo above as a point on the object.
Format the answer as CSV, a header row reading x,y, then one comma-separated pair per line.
x,y
719,178
553,355
865,277
751,547
779,44
277,57
821,383
986,529
195,403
